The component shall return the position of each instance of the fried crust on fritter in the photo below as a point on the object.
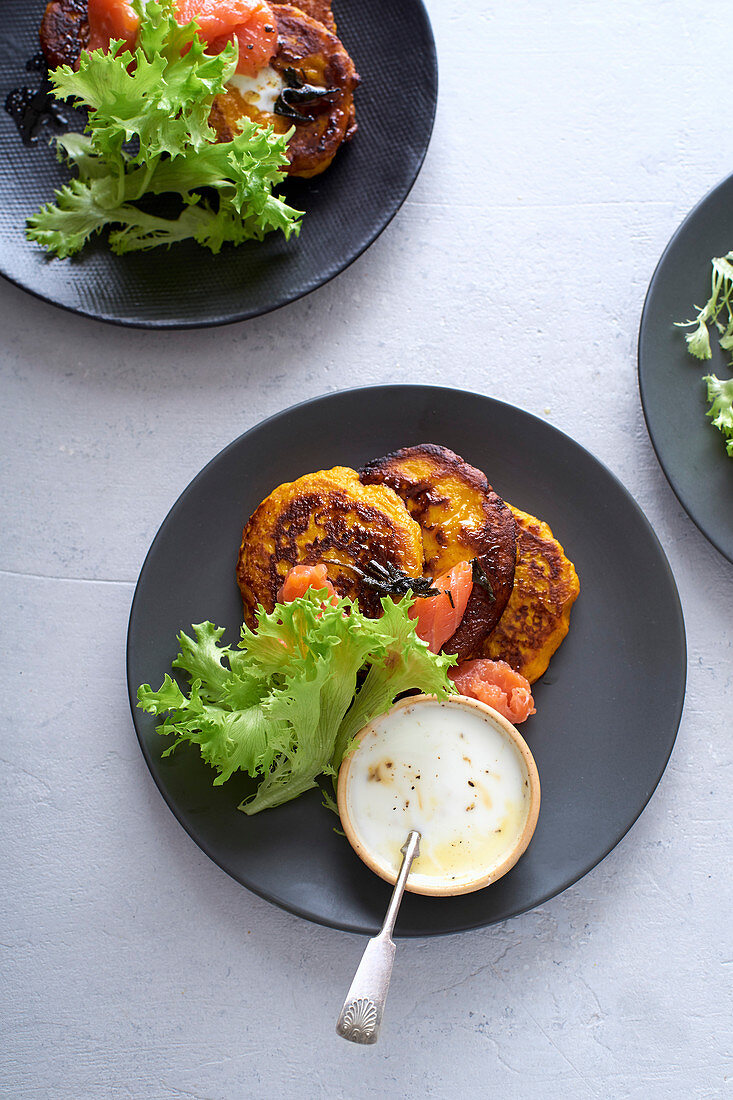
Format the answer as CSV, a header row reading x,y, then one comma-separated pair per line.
x,y
320,10
537,616
320,59
327,516
64,31
461,518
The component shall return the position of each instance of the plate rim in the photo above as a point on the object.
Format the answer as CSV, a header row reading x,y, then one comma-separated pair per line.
x,y
300,911
431,58
688,506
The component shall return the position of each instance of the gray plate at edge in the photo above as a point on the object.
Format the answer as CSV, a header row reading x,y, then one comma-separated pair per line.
x,y
607,709
690,451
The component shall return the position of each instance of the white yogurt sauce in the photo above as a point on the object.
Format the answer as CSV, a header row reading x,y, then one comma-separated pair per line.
x,y
452,773
260,91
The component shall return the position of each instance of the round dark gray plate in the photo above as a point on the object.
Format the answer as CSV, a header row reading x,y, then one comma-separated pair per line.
x,y
607,710
690,451
346,208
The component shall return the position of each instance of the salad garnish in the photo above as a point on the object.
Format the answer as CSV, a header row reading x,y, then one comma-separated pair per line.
x,y
720,396
148,134
717,311
286,704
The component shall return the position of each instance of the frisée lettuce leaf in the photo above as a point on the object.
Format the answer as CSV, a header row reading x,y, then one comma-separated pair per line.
x,y
148,134
718,312
720,396
286,703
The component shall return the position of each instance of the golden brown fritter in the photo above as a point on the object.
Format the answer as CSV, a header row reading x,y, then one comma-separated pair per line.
x,y
328,516
319,59
461,518
64,31
537,616
320,10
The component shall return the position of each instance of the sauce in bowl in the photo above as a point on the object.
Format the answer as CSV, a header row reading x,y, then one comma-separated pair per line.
x,y
456,771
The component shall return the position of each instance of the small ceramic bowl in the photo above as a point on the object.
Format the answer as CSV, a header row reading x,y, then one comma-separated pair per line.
x,y
439,762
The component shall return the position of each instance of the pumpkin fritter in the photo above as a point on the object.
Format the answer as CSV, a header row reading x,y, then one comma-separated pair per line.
x,y
537,616
64,31
461,519
320,10
328,516
308,49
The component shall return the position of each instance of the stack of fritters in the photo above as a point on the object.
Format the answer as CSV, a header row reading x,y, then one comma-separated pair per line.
x,y
420,510
309,55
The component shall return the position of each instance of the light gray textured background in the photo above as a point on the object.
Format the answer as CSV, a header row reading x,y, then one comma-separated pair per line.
x,y
570,141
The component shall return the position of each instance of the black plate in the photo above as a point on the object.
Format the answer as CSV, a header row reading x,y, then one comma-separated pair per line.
x,y
690,451
608,709
346,208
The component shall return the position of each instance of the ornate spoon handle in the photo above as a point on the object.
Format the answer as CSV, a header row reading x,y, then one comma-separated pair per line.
x,y
361,1016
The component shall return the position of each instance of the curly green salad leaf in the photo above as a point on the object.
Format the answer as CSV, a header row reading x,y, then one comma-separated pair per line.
x,y
720,396
148,134
287,702
717,311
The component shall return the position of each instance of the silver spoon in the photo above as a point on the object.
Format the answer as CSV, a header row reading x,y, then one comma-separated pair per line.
x,y
361,1016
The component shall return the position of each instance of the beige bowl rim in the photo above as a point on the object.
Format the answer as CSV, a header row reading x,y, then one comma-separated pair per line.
x,y
512,734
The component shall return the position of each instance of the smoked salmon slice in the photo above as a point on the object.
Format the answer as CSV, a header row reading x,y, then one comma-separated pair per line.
x,y
301,578
497,684
251,22
438,617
